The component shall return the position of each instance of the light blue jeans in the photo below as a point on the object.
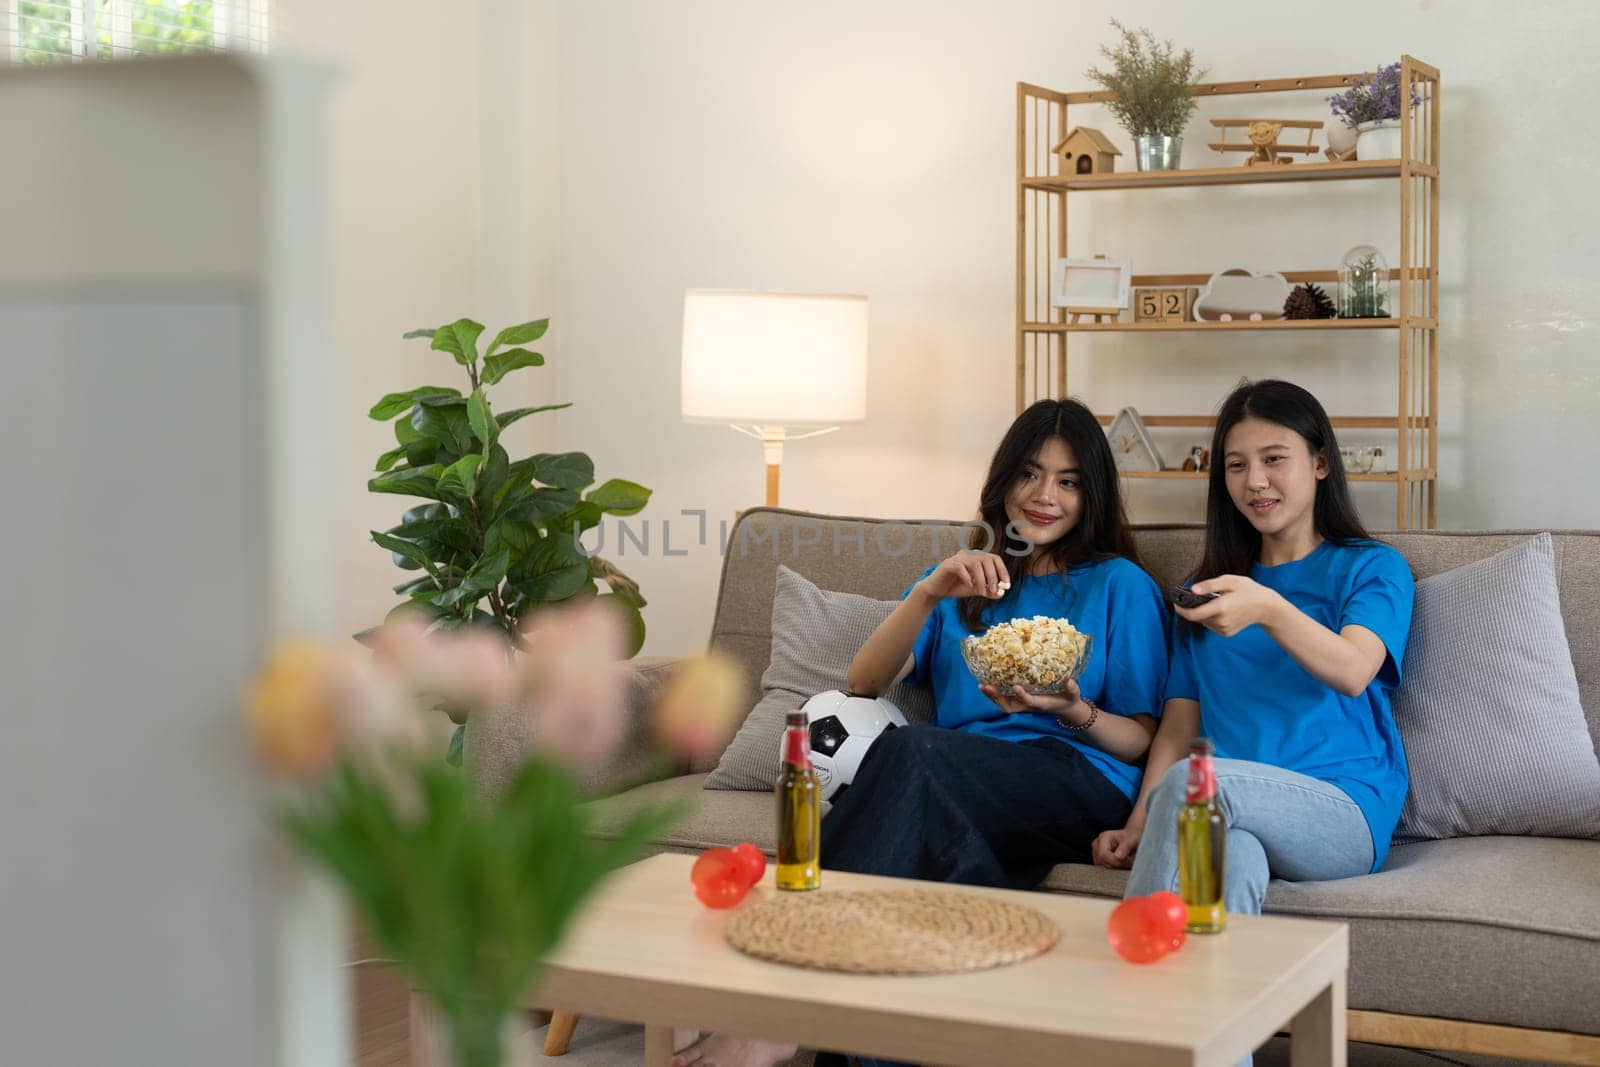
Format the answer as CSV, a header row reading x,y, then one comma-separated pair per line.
x,y
1280,824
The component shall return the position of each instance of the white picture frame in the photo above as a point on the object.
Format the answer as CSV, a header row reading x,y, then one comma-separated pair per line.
x,y
1132,447
1091,283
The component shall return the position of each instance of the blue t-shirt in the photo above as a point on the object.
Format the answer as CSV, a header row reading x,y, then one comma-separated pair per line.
x,y
1112,600
1257,703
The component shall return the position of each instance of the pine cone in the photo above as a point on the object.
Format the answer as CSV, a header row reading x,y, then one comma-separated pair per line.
x,y
1308,301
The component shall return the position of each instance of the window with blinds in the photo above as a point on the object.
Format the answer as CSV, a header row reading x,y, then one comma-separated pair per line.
x,y
54,31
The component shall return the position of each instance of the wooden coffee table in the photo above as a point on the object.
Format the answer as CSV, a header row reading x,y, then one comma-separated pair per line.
x,y
646,951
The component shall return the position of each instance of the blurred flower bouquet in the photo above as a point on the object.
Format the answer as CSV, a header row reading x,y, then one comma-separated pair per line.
x,y
469,890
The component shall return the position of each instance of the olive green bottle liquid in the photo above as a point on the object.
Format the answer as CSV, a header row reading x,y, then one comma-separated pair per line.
x,y
1202,844
799,809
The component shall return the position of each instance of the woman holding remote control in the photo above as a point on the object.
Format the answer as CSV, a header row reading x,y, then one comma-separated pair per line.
x,y
1287,666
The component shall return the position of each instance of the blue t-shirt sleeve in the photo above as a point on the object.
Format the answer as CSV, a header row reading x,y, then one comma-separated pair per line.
x,y
927,640
1379,598
1182,683
1136,644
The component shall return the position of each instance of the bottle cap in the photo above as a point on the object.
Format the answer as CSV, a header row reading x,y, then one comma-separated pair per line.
x,y
795,718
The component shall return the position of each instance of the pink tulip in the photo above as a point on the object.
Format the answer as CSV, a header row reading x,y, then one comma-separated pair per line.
x,y
573,682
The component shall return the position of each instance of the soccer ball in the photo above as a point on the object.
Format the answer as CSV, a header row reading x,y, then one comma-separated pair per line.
x,y
843,727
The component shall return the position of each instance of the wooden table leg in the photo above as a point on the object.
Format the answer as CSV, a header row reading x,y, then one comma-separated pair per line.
x,y
1317,1036
657,1046
559,1036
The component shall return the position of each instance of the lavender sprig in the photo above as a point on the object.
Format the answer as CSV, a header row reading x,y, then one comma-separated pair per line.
x,y
1373,98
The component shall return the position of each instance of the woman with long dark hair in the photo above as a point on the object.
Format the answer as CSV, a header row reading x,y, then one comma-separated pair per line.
x,y
1001,786
1288,668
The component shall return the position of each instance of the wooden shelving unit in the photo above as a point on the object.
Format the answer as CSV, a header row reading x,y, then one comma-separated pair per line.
x,y
1043,332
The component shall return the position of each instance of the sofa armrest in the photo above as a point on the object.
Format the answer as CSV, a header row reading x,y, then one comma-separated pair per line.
x,y
495,741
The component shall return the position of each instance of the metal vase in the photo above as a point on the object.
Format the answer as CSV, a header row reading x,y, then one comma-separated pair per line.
x,y
1157,151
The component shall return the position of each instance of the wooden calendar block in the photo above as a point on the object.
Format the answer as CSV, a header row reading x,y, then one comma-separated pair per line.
x,y
1163,305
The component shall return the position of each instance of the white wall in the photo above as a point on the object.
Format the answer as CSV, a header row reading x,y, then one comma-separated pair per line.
x,y
870,148
437,214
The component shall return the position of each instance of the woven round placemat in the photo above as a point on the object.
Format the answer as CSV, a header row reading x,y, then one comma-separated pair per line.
x,y
891,931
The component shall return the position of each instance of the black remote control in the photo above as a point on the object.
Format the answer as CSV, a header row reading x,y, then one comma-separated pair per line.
x,y
1185,599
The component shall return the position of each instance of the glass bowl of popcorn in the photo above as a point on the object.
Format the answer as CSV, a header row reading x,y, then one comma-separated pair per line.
x,y
1040,654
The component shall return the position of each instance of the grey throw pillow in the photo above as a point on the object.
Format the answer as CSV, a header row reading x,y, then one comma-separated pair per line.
x,y
1488,709
815,635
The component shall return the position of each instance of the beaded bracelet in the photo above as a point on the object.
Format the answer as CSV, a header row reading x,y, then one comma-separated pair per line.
x,y
1094,713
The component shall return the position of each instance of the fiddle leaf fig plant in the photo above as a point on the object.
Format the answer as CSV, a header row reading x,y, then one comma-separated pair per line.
x,y
496,538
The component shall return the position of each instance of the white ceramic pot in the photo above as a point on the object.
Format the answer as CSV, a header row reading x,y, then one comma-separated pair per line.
x,y
1341,137
1378,140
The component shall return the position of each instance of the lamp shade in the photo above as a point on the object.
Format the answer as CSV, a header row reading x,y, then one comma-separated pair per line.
x,y
774,358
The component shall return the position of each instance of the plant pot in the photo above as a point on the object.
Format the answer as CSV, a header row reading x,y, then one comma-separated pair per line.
x,y
433,1040
1155,151
1341,136
1378,140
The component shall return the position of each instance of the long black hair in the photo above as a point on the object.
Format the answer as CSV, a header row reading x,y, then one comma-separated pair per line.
x,y
1102,527
1232,544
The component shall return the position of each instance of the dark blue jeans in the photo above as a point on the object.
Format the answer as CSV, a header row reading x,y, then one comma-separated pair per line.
x,y
951,806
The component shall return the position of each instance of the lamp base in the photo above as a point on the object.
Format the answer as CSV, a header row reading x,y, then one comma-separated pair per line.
x,y
772,439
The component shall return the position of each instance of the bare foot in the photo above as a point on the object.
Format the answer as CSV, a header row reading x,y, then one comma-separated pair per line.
x,y
722,1050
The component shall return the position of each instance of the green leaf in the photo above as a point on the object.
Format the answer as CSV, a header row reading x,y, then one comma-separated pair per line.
x,y
461,476
510,533
620,497
419,449
488,573
497,367
492,477
415,585
519,335
412,481
564,470
394,403
401,547
409,334
458,742
424,513
635,621
542,505
584,515
513,415
412,607
444,419
553,569
390,458
460,339
484,428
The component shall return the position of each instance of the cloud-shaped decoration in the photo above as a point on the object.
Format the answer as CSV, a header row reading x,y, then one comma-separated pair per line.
x,y
1241,293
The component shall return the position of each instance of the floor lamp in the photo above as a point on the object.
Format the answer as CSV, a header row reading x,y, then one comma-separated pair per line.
x,y
767,362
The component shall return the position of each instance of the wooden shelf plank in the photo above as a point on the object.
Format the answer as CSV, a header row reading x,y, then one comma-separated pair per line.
x,y
1235,175
1384,476
1171,327
1259,85
1321,276
1343,422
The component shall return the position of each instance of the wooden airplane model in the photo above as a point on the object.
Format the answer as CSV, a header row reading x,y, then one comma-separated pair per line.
x,y
1262,139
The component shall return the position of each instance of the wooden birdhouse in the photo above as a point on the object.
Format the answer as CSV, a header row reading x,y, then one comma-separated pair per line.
x,y
1087,151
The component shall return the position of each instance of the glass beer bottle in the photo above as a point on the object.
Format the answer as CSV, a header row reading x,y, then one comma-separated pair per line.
x,y
799,810
1202,844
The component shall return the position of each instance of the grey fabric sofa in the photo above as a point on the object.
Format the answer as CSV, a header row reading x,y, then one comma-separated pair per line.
x,y
1487,945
